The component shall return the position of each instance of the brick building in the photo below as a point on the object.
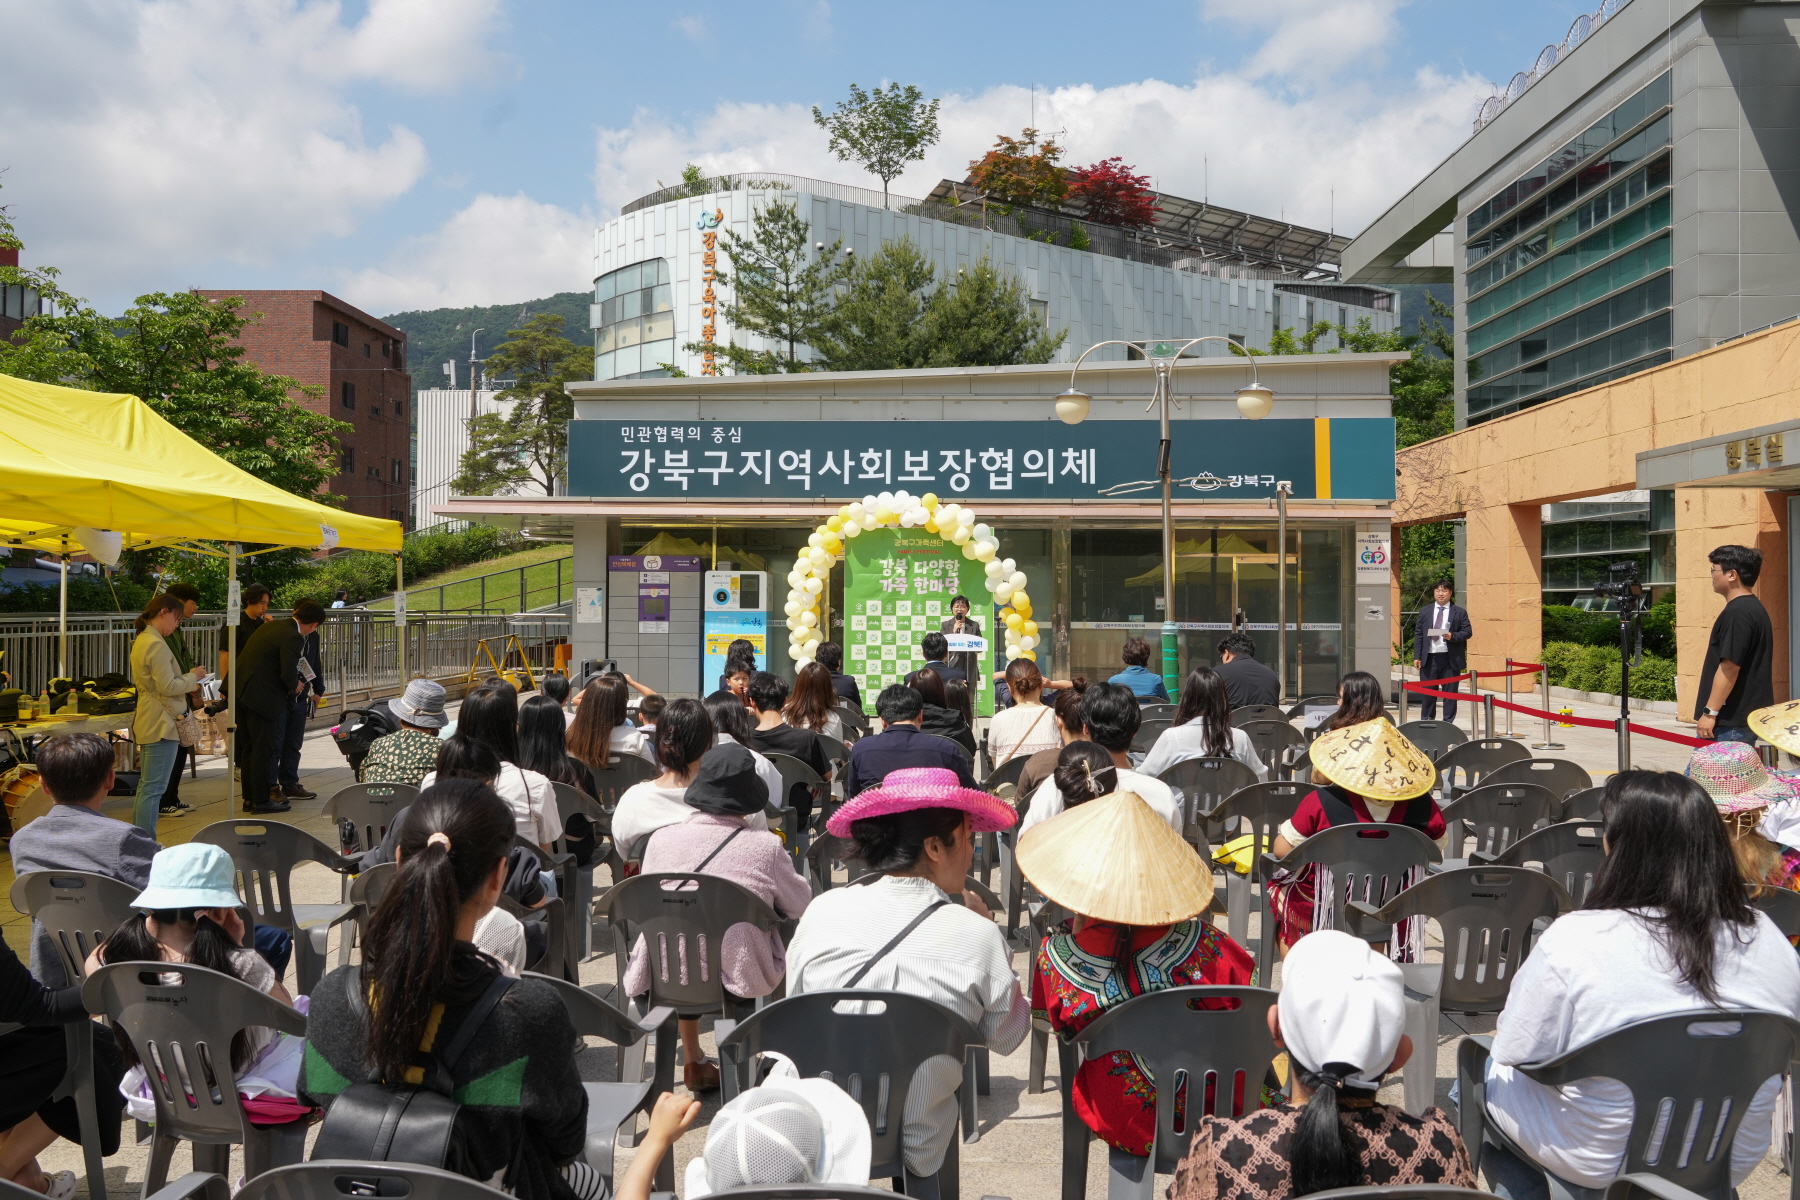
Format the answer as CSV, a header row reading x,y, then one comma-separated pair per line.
x,y
360,362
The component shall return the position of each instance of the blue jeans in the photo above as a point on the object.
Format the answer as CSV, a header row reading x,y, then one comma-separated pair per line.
x,y
1734,733
1512,1178
156,762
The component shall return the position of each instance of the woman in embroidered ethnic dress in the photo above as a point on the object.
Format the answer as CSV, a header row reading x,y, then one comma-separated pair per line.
x,y
1137,890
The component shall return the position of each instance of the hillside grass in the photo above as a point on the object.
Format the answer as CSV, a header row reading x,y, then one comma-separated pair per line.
x,y
462,589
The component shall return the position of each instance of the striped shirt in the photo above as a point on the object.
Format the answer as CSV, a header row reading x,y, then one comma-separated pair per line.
x,y
955,958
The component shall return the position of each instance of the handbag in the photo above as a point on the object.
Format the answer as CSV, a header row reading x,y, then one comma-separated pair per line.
x,y
187,729
397,1122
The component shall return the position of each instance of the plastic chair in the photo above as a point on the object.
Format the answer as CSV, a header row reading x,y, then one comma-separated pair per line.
x,y
553,916
610,1105
1200,786
181,1020
1435,738
1783,908
1487,916
366,891
1149,729
1299,707
1584,805
794,831
565,948
371,808
329,1179
1562,777
619,774
570,802
1257,712
812,1191
1569,852
870,1054
1408,1191
1475,759
1183,1046
960,748
1368,862
1498,814
1647,1187
1684,1069
1270,740
1258,809
854,718
266,853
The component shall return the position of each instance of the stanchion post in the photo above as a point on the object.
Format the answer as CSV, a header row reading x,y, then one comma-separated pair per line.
x,y
1549,742
1623,729
1509,697
1474,701
1403,699
1487,715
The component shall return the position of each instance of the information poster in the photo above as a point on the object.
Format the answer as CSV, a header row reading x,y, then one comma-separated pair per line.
x,y
724,628
898,585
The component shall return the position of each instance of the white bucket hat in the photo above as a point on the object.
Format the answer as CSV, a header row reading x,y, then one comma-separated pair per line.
x,y
789,1130
1343,1007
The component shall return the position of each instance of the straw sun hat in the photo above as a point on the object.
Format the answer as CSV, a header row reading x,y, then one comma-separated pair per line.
x,y
1778,725
1114,859
1375,760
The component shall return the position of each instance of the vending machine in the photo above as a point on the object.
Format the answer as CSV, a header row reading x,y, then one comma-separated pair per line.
x,y
735,605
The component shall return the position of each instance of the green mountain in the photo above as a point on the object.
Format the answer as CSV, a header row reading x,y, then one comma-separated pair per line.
x,y
437,334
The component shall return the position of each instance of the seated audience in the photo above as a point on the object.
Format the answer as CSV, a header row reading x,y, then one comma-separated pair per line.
x,y
1065,707
556,686
683,737
961,701
734,726
602,729
715,840
188,914
936,649
650,708
830,655
1369,773
543,745
1028,726
813,703
937,716
773,735
1137,676
901,743
409,754
788,1131
735,678
420,978
1247,681
487,737
1110,716
1779,725
1122,942
33,1061
1084,771
1202,729
1359,700
915,831
1668,928
1339,1018
1743,791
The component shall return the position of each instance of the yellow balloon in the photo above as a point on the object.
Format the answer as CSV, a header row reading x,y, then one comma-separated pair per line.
x,y
835,524
931,525
883,516
843,512
1028,654
1014,620
1029,629
1021,601
1024,610
929,500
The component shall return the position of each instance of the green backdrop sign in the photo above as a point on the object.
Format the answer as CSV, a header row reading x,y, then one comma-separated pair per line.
x,y
897,588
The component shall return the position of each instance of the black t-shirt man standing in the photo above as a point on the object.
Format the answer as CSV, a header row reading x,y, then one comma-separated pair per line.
x,y
1736,679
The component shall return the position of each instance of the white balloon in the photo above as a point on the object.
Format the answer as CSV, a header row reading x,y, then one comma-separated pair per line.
x,y
815,635
1003,592
961,537
965,517
990,584
794,653
984,551
982,532
809,618
815,538
1009,566
853,527
1017,580
994,570
968,549
856,511
1028,642
815,586
791,608
884,500
818,556
906,519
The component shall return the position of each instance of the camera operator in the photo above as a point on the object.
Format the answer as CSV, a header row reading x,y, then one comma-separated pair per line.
x,y
1735,680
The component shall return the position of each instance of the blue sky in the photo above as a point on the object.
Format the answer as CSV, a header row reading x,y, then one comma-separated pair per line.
x,y
411,153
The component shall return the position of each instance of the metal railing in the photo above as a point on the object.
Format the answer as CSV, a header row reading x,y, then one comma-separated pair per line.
x,y
521,596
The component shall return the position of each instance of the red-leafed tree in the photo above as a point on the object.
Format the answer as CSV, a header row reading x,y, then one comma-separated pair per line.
x,y
1112,194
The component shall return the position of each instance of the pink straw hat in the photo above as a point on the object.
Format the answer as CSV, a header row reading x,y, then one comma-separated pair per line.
x,y
924,787
1734,776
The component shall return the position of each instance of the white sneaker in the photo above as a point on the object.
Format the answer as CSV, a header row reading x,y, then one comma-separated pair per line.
x,y
62,1185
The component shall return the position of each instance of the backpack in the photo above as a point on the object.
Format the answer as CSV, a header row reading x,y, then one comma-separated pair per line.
x,y
354,740
399,1122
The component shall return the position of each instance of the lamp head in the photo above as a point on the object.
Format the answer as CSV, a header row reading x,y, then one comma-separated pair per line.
x,y
1255,402
1072,407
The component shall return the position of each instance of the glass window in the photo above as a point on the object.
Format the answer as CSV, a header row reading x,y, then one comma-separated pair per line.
x,y
1559,539
636,306
1597,362
1571,260
1662,508
1622,309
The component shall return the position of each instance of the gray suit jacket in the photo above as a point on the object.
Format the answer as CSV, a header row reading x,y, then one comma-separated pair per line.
x,y
72,838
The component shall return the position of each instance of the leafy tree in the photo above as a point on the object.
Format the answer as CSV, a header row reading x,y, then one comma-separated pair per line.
x,y
780,291
1020,171
882,130
1111,194
179,353
984,319
529,443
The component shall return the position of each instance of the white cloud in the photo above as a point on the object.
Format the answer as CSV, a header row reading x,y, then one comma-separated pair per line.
x,y
496,250
1312,38
148,140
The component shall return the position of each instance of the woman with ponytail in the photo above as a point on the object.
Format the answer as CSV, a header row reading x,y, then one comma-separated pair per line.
x,y
1339,1018
524,1112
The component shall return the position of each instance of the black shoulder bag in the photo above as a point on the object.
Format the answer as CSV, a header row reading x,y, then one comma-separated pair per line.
x,y
398,1122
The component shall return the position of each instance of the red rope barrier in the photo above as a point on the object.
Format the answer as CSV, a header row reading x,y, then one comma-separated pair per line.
x,y
1680,739
1522,669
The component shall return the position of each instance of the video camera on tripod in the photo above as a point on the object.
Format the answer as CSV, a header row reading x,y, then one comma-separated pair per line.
x,y
1626,590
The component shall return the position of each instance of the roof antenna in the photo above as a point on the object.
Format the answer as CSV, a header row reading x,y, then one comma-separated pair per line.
x,y
1205,179
1332,228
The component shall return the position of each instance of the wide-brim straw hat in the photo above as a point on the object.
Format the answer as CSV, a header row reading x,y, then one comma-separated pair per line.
x,y
911,788
1778,725
1114,859
1734,776
1374,760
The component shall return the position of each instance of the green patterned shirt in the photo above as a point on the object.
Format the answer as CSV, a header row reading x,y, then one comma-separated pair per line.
x,y
404,757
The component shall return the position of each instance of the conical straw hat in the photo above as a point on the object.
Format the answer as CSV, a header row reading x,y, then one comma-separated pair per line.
x,y
1778,725
1375,760
1114,859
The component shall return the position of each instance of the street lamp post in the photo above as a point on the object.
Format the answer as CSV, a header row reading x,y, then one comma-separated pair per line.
x,y
1254,402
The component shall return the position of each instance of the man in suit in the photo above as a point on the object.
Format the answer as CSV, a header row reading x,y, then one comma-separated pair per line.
x,y
936,649
290,737
901,744
269,678
967,661
1441,647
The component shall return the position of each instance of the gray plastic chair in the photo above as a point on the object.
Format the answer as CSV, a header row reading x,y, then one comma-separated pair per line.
x,y
553,916
1475,759
366,890
1298,709
570,802
1562,777
1257,712
854,718
1158,708
1570,852
1584,805
1200,786
1487,916
1497,814
1257,808
1679,1065
1647,1187
370,807
610,1105
1407,1191
871,1055
1182,1044
796,832
960,748
266,853
620,774
1783,908
1149,729
329,1179
1368,862
181,1020
1271,740
809,1191
1435,738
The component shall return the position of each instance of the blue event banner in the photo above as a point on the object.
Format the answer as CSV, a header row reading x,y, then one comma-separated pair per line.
x,y
1323,458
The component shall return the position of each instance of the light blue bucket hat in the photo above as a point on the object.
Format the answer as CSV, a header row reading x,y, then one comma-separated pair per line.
x,y
193,875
